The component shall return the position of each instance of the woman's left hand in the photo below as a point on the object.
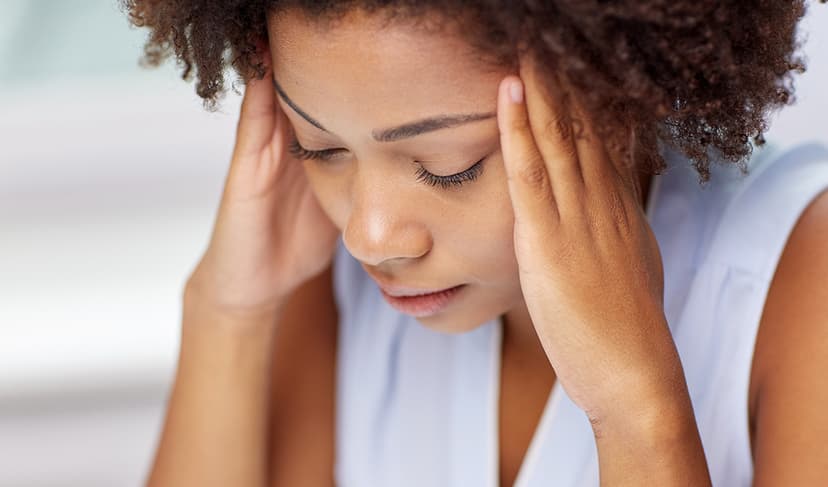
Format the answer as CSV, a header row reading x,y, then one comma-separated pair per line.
x,y
590,267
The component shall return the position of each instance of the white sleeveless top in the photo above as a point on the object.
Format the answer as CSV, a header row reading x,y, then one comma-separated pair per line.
x,y
418,408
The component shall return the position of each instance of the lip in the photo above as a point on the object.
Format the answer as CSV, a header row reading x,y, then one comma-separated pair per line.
x,y
420,303
408,292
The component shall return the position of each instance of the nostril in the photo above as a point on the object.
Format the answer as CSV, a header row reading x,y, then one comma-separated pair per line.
x,y
390,245
385,226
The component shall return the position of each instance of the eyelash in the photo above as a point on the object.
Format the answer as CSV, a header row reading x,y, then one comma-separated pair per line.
x,y
444,182
452,180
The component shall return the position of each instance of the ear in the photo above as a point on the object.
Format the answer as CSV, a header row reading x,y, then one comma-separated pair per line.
x,y
263,49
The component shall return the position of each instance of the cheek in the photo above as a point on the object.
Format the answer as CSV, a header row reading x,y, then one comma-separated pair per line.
x,y
488,227
330,192
501,225
497,216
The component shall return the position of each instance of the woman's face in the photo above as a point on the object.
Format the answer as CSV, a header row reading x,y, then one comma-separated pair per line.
x,y
422,207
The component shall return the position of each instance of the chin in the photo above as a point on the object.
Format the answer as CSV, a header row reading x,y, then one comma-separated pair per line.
x,y
455,323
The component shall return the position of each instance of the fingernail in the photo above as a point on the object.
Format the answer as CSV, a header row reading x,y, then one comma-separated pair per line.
x,y
516,91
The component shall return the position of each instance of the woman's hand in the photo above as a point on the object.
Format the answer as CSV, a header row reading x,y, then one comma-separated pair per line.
x,y
270,234
590,267
592,278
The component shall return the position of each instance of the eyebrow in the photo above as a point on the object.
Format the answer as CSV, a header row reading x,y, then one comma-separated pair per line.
x,y
399,132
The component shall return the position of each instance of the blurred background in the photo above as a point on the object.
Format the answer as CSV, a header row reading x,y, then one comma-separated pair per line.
x,y
110,175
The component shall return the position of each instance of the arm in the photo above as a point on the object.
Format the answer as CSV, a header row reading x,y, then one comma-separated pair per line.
x,y
591,272
789,385
788,389
270,238
302,389
656,445
215,430
252,403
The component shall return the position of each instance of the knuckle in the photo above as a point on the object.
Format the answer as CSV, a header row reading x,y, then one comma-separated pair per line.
x,y
558,127
568,152
579,130
534,175
612,215
520,124
616,205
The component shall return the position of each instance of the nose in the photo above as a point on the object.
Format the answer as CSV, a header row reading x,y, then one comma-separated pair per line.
x,y
383,226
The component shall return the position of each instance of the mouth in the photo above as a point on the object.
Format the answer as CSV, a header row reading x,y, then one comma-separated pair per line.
x,y
420,303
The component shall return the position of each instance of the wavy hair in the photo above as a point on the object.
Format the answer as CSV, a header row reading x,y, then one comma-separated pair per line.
x,y
701,76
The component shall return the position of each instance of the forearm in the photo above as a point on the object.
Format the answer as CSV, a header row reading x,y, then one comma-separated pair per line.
x,y
651,445
215,433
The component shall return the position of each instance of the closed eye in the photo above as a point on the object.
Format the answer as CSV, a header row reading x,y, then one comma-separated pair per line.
x,y
422,174
451,180
301,153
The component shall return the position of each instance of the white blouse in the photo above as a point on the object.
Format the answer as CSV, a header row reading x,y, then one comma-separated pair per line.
x,y
418,408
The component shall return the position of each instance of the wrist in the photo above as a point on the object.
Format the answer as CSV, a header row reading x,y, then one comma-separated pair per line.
x,y
647,423
201,310
658,444
645,401
236,294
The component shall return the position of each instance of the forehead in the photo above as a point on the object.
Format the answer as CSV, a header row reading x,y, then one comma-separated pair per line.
x,y
387,72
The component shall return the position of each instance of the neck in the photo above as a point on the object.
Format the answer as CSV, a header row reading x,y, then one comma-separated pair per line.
x,y
520,342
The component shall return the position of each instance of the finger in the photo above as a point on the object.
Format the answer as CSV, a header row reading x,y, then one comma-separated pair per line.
x,y
554,134
529,184
597,166
608,183
610,190
257,119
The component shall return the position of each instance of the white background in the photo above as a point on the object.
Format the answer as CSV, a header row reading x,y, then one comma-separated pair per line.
x,y
109,178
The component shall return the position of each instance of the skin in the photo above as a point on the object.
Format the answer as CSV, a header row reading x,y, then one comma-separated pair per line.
x,y
352,88
581,235
339,88
406,233
265,275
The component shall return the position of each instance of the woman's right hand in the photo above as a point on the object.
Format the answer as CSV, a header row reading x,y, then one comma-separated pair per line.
x,y
270,235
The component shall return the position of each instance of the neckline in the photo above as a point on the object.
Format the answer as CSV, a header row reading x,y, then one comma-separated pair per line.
x,y
530,458
551,406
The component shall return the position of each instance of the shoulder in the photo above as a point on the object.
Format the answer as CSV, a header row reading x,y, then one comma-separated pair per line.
x,y
755,214
788,388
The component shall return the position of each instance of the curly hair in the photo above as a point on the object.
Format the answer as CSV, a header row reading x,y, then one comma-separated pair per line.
x,y
701,76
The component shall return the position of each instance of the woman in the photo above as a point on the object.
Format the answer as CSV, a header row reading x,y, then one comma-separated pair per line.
x,y
531,285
